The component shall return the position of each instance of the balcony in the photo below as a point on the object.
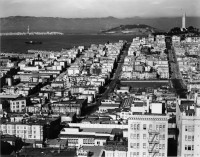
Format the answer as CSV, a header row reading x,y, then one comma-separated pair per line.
x,y
151,150
156,141
153,131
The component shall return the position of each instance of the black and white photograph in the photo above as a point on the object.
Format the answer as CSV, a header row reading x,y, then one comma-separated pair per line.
x,y
100,78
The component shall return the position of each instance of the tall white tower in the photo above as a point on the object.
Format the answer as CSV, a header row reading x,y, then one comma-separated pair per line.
x,y
28,30
184,21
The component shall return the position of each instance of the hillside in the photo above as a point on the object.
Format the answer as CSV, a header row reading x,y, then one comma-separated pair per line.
x,y
87,25
139,29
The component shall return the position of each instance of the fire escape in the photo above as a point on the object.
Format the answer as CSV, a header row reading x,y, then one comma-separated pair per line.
x,y
153,142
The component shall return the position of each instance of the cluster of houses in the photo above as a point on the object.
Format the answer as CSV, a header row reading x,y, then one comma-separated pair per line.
x,y
146,59
187,53
45,100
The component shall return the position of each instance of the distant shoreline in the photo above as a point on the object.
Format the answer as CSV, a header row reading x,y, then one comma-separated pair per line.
x,y
29,34
106,34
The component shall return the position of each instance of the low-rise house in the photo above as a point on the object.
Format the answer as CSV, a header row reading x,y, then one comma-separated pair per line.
x,y
86,137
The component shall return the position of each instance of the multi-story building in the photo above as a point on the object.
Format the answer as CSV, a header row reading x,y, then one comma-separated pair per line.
x,y
188,124
148,135
31,129
18,105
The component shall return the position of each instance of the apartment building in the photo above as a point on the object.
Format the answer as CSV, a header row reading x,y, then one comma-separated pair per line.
x,y
18,105
29,131
148,135
188,124
34,129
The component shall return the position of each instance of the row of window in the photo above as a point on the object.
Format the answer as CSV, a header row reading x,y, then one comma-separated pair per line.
x,y
137,146
137,136
188,155
144,154
189,147
189,138
21,131
28,137
18,127
17,106
17,103
88,141
144,127
189,128
73,141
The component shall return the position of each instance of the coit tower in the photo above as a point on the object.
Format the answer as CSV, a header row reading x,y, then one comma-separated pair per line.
x,y
183,20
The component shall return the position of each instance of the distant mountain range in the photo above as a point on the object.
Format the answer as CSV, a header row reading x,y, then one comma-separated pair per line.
x,y
87,25
139,29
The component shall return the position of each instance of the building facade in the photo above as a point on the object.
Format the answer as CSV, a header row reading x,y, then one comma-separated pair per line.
x,y
188,124
147,136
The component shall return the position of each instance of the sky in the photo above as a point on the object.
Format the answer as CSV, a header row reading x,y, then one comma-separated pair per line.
x,y
99,8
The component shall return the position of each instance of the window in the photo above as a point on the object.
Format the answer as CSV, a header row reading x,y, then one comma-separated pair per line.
x,y
192,138
17,103
144,136
163,146
22,102
186,137
138,127
160,127
138,145
135,126
131,145
186,128
160,146
164,137
189,147
132,136
163,154
157,127
131,154
132,126
189,138
150,126
192,147
144,154
144,145
163,127
138,136
144,126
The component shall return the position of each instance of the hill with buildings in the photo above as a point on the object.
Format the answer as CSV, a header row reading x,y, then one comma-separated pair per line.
x,y
139,29
87,25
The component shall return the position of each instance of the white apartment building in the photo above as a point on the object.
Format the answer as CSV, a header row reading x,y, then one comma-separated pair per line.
x,y
188,124
147,135
24,131
18,105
